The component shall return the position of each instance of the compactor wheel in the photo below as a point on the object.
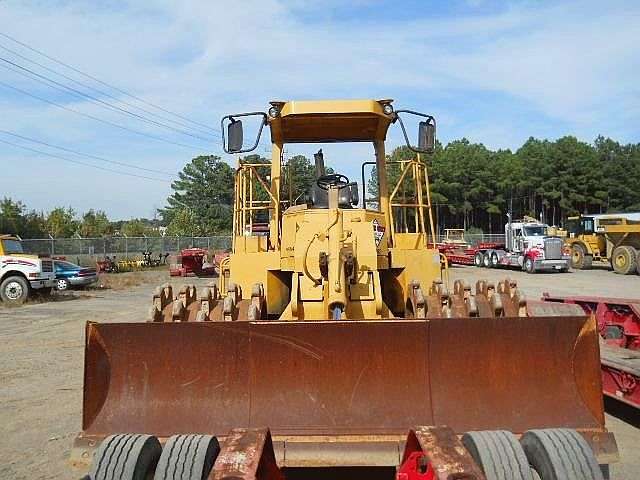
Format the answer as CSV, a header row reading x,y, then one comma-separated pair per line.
x,y
125,456
498,454
624,260
560,454
187,457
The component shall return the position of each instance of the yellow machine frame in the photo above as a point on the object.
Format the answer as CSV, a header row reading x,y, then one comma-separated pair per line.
x,y
285,262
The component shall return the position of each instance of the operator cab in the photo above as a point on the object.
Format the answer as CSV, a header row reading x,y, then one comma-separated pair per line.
x,y
318,194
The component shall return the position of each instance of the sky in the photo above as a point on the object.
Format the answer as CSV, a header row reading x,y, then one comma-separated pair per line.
x,y
493,72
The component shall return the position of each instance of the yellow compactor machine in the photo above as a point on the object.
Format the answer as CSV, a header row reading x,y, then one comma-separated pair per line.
x,y
333,344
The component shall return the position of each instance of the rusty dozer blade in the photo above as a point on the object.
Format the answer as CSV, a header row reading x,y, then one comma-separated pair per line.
x,y
342,378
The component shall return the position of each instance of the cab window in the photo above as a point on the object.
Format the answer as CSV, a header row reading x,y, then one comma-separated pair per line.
x,y
588,226
11,247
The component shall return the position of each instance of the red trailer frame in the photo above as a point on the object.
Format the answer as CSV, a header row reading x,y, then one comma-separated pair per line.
x,y
619,327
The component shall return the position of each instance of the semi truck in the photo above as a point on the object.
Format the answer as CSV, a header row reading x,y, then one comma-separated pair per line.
x,y
527,246
22,273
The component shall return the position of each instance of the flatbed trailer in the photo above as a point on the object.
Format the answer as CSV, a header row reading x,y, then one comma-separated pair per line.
x,y
467,256
618,321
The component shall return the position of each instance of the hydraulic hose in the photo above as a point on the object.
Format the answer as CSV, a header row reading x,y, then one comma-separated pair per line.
x,y
304,262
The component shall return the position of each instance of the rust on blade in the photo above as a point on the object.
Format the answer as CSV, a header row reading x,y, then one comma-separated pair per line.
x,y
444,451
341,378
246,454
518,373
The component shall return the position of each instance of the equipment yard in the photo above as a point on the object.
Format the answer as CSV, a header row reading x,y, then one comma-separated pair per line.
x,y
42,360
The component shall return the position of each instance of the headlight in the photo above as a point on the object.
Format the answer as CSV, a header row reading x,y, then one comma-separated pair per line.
x,y
387,109
274,112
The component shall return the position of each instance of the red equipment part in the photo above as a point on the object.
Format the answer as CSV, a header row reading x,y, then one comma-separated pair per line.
x,y
431,453
618,318
618,322
457,256
193,262
415,467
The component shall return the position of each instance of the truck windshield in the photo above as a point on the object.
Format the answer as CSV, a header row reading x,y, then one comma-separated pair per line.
x,y
11,247
537,231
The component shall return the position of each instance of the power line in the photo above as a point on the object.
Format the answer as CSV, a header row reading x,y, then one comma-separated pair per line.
x,y
102,159
26,72
59,62
53,155
106,94
97,119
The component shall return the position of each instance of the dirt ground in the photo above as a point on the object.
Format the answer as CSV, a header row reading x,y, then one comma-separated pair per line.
x,y
41,357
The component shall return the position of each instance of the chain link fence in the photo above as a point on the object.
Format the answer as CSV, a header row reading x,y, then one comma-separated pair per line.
x,y
88,250
121,247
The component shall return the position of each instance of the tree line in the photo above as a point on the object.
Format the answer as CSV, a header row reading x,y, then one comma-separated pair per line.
x,y
472,187
65,222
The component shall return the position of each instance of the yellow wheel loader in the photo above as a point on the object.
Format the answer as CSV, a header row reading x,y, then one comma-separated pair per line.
x,y
333,346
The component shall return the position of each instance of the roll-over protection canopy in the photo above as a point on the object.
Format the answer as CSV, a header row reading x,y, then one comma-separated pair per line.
x,y
329,121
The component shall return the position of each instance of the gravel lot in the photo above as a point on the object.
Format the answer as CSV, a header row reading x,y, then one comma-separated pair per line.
x,y
42,355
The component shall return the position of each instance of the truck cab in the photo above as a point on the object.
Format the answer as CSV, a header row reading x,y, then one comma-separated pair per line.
x,y
21,273
527,245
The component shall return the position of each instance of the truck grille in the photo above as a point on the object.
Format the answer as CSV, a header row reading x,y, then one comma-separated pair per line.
x,y
47,266
553,248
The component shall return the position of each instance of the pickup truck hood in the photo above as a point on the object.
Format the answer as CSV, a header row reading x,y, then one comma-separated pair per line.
x,y
30,256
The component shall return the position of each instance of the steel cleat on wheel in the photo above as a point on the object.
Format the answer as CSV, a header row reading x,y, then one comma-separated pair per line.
x,y
417,300
229,304
485,291
462,301
208,302
258,303
162,296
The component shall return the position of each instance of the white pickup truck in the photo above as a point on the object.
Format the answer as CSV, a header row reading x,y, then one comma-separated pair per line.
x,y
22,273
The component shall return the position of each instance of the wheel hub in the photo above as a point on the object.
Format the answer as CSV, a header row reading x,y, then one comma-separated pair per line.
x,y
13,290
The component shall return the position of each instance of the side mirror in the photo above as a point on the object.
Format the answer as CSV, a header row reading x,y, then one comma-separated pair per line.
x,y
427,136
235,135
233,131
426,130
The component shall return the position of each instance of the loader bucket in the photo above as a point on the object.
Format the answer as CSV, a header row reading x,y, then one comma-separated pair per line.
x,y
333,378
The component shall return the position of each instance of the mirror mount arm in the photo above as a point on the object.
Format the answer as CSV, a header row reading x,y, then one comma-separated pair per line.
x,y
430,119
231,119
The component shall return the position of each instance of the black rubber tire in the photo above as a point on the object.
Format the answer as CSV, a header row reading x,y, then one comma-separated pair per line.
x,y
499,455
44,292
494,260
125,456
579,257
22,295
62,284
187,457
624,260
588,262
528,265
560,454
477,259
486,260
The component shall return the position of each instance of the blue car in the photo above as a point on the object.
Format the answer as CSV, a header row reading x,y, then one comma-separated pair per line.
x,y
71,275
